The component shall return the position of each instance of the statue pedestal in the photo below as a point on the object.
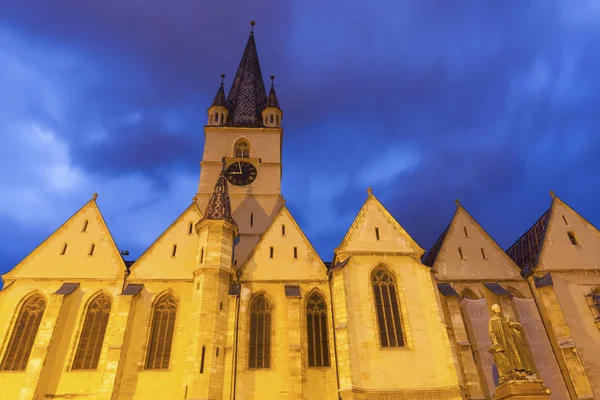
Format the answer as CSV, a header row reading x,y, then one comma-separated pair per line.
x,y
521,390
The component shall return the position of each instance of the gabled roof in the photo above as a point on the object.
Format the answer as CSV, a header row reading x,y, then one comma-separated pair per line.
x,y
429,258
372,199
275,218
526,250
133,264
247,97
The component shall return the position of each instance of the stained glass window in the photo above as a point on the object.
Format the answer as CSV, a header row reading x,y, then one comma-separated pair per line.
x,y
316,331
92,334
161,334
259,355
387,308
23,334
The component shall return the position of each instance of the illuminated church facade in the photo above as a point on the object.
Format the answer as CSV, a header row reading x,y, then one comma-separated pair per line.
x,y
233,302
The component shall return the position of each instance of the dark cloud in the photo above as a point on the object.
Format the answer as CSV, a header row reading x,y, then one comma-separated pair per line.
x,y
498,102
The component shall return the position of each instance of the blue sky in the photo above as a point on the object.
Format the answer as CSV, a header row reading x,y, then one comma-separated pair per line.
x,y
426,101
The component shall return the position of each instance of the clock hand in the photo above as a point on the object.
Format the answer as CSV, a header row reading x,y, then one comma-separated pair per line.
x,y
240,167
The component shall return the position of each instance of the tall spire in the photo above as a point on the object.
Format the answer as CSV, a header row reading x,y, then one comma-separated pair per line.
x,y
272,98
220,97
219,206
247,96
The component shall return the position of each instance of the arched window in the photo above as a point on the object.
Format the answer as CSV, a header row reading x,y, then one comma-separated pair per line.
x,y
388,310
259,355
316,331
92,334
23,334
242,149
161,334
515,293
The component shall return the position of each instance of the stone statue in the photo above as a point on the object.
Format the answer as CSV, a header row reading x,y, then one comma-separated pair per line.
x,y
510,354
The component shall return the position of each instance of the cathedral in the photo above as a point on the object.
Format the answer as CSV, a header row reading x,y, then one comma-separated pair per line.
x,y
233,302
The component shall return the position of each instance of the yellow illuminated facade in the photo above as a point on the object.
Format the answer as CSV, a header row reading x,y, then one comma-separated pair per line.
x,y
233,302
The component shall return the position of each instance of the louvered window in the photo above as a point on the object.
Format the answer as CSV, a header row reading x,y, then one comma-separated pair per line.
x,y
161,334
92,334
23,334
388,310
260,333
316,331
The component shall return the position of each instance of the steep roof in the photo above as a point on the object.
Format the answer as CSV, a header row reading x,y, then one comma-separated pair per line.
x,y
429,258
272,98
526,250
247,97
220,98
219,205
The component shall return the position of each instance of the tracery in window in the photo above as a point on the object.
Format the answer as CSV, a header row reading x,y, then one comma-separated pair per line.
x,y
242,149
23,334
92,333
259,354
161,334
316,331
469,294
387,308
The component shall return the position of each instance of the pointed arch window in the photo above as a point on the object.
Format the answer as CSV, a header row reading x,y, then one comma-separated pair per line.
x,y
316,331
259,355
242,149
161,333
23,334
387,308
92,334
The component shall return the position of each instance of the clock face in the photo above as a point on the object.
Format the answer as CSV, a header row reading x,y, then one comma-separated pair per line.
x,y
240,173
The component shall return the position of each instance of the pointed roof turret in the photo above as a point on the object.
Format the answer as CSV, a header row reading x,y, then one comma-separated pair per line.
x,y
219,100
247,96
219,206
272,98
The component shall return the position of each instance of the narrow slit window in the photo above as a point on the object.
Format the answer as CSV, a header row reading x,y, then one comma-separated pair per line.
x,y
283,230
564,219
85,224
465,229
277,119
573,238
64,250
202,360
482,253
251,219
460,253
92,247
174,250
271,118
270,252
198,286
217,352
201,255
221,306
295,252
377,233
191,228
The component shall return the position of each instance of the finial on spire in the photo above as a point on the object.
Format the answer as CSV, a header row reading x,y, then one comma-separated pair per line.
x,y
272,80
222,77
223,162
95,196
552,194
457,202
252,23
369,191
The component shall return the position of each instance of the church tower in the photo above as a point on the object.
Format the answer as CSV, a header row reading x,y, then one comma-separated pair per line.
x,y
212,276
244,131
